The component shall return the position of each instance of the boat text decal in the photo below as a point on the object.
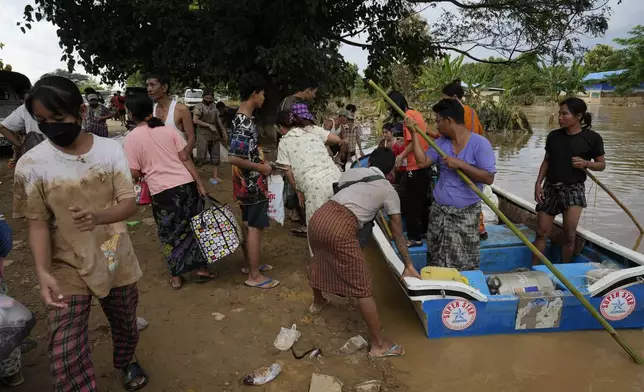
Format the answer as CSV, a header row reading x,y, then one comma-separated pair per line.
x,y
617,305
458,314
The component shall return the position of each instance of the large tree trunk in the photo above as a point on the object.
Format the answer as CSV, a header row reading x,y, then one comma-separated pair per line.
x,y
268,114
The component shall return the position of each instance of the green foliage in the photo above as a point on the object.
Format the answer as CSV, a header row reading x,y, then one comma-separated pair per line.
x,y
3,66
210,41
436,74
503,117
73,76
135,80
81,80
602,58
632,57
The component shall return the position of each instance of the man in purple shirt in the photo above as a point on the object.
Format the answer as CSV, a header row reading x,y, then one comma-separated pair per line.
x,y
453,237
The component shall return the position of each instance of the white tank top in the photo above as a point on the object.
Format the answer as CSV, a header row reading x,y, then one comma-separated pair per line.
x,y
334,130
169,120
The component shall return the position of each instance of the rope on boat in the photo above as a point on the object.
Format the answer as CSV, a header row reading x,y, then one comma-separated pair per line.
x,y
609,328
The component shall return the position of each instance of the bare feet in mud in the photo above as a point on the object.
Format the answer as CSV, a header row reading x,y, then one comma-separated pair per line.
x,y
176,282
316,308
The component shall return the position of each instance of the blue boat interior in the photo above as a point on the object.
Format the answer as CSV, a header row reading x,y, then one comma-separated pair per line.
x,y
504,252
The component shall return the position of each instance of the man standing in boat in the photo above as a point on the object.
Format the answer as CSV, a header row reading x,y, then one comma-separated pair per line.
x,y
570,151
453,238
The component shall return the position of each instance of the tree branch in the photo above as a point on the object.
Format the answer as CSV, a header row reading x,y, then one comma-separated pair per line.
x,y
351,43
466,54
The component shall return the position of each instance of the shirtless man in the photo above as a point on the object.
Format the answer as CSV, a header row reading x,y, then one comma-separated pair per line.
x,y
174,114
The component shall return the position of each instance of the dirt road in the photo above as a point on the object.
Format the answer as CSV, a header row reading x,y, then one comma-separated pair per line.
x,y
185,348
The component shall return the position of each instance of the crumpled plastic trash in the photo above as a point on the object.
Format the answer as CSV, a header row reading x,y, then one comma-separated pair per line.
x,y
16,322
141,323
286,338
263,375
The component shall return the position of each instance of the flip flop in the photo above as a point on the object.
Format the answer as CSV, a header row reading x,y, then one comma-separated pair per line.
x,y
414,244
262,268
389,353
265,285
200,279
214,182
132,372
299,233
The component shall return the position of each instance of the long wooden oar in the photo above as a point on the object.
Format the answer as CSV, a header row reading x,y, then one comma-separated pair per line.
x,y
619,203
522,237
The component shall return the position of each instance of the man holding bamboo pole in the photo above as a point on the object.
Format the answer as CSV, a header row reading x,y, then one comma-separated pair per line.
x,y
453,238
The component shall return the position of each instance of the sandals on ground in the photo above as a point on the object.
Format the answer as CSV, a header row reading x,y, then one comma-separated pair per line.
x,y
392,352
299,233
130,374
200,279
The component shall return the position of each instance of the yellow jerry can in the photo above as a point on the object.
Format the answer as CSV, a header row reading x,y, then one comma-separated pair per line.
x,y
442,273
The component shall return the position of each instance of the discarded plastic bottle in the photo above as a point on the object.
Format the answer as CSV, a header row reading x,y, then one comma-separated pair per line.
x,y
263,375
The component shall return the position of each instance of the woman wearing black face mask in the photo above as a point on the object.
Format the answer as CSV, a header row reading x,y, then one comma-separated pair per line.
x,y
82,183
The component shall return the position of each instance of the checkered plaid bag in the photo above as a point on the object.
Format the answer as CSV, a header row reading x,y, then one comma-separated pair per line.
x,y
216,230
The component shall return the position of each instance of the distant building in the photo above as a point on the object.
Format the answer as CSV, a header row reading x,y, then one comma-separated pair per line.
x,y
488,93
598,85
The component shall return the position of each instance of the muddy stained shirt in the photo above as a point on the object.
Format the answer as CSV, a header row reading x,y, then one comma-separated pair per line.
x,y
207,114
48,182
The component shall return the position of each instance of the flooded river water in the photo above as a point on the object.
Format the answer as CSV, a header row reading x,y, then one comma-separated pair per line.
x,y
568,361
519,158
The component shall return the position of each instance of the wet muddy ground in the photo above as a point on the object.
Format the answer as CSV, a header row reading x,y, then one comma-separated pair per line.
x,y
186,349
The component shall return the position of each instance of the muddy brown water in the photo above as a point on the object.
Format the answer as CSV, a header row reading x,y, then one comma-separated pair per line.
x,y
622,128
568,361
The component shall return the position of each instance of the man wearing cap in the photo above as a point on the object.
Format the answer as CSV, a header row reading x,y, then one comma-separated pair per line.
x,y
96,116
210,134
350,134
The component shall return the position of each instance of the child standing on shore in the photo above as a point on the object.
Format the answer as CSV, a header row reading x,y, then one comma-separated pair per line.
x,y
249,177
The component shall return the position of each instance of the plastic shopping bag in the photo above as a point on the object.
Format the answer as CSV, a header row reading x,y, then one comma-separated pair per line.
x,y
16,322
276,198
223,153
142,192
287,338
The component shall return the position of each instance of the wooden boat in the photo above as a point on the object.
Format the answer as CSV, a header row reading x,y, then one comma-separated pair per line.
x,y
509,295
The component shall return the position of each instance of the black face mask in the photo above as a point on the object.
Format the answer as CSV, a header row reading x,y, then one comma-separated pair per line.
x,y
94,105
208,103
61,134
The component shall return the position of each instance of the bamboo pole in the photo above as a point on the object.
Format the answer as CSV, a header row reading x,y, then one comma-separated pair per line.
x,y
609,328
619,203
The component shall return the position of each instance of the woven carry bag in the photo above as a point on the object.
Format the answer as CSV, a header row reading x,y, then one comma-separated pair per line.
x,y
216,230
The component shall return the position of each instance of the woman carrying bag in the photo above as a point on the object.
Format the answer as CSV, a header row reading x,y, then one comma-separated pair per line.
x,y
156,152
